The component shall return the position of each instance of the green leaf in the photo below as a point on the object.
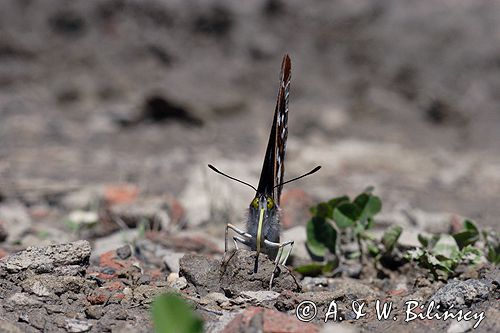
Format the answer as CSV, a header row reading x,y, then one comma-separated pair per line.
x,y
465,238
321,236
333,203
171,314
359,229
433,240
446,247
313,269
345,215
330,266
370,222
423,240
414,254
469,225
391,236
493,256
323,210
433,260
316,269
492,241
439,267
369,205
373,249
468,236
471,254
354,255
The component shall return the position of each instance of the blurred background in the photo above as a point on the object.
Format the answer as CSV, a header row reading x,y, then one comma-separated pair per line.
x,y
400,95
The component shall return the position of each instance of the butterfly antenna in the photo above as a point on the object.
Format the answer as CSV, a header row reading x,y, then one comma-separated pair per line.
x,y
232,178
304,175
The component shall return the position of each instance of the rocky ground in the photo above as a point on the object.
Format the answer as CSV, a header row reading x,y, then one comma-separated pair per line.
x,y
59,289
111,109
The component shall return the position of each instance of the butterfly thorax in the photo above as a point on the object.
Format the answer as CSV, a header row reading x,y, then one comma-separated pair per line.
x,y
263,213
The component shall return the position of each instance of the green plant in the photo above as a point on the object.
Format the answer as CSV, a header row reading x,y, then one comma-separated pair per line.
x,y
492,245
441,254
468,236
386,244
43,234
80,219
171,314
336,222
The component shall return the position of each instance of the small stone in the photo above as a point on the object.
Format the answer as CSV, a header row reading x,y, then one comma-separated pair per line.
x,y
37,319
116,298
121,314
268,320
99,296
460,293
46,284
70,270
94,312
77,326
22,299
114,286
171,260
39,289
82,218
460,326
238,274
176,282
7,327
53,308
44,259
217,298
180,284
127,291
124,252
146,294
144,279
201,271
108,271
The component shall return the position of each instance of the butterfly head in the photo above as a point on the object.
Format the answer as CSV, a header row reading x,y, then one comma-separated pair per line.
x,y
263,201
263,217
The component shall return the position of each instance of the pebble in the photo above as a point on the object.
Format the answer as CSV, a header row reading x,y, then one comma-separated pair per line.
x,y
124,252
77,326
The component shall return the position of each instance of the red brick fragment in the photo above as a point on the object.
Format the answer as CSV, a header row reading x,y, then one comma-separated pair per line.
x,y
120,194
273,321
99,296
114,286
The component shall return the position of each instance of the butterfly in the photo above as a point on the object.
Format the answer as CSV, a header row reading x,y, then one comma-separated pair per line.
x,y
263,225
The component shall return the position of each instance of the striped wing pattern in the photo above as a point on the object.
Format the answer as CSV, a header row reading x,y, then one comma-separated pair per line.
x,y
273,168
281,116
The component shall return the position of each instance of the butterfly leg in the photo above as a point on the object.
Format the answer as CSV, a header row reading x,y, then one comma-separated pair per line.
x,y
243,238
280,247
236,238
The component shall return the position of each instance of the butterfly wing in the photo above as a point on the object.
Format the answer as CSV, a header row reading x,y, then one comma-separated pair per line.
x,y
281,116
273,169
